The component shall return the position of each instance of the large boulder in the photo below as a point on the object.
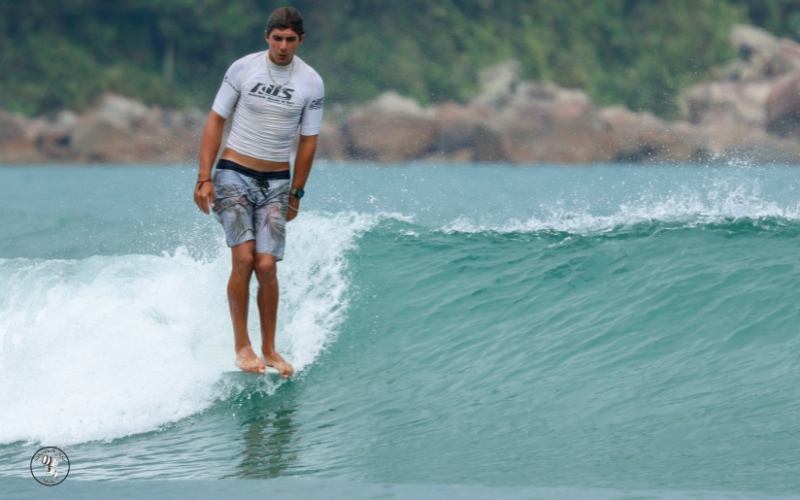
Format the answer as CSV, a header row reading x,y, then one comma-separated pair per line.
x,y
463,132
185,133
714,101
783,106
331,143
455,126
643,137
498,84
54,138
97,138
121,130
118,129
743,116
390,128
734,141
548,124
124,112
16,140
489,145
12,127
762,54
535,121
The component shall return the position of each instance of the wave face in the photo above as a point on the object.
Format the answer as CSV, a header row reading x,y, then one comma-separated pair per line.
x,y
601,327
652,347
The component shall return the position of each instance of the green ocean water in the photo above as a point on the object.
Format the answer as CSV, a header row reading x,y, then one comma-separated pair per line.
x,y
460,331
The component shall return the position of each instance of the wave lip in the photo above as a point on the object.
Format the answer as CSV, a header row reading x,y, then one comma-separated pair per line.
x,y
690,208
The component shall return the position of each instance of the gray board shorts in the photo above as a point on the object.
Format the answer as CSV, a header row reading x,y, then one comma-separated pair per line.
x,y
252,205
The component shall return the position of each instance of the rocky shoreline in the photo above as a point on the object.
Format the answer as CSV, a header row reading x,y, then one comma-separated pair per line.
x,y
751,111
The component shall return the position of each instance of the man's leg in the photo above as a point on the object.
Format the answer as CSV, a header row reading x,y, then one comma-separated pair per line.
x,y
266,273
242,257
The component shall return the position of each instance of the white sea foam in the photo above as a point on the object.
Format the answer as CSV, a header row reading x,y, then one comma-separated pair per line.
x,y
101,348
719,204
314,283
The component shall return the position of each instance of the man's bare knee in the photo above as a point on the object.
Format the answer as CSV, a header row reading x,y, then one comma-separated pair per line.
x,y
266,267
243,261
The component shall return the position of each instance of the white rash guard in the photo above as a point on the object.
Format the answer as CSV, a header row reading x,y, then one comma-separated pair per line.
x,y
266,113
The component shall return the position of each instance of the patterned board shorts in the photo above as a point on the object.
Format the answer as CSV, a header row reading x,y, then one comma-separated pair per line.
x,y
252,205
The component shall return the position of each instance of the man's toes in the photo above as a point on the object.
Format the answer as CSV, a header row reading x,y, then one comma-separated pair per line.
x,y
261,367
251,366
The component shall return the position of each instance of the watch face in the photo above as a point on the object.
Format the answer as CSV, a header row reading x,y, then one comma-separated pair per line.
x,y
299,193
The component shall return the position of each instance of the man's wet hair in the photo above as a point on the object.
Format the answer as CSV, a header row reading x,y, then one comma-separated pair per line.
x,y
286,17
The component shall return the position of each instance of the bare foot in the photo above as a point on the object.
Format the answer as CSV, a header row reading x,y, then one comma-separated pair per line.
x,y
275,360
247,360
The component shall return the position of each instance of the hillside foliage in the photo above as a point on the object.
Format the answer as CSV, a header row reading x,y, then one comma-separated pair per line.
x,y
57,54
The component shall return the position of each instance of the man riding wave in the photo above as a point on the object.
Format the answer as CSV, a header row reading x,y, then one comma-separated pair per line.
x,y
252,193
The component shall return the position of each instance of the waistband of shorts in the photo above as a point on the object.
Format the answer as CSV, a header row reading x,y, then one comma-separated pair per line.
x,y
249,172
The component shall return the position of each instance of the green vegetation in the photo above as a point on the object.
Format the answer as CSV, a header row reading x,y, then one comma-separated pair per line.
x,y
64,53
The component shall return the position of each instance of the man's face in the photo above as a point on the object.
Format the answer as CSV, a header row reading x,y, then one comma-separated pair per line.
x,y
282,45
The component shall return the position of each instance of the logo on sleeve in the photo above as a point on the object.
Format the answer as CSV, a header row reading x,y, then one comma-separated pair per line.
x,y
317,104
273,93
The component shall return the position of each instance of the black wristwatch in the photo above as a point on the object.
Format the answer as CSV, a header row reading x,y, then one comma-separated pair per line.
x,y
298,193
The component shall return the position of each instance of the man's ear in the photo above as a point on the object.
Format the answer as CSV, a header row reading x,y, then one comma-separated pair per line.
x,y
302,37
266,36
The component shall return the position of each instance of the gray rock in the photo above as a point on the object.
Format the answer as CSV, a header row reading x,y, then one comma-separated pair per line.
x,y
546,123
66,118
765,55
331,143
123,112
12,127
710,102
750,41
458,127
16,143
783,106
390,128
98,137
643,137
489,145
185,134
498,84
55,142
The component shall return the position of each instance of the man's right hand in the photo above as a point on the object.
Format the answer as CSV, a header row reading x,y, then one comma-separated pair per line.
x,y
204,196
212,135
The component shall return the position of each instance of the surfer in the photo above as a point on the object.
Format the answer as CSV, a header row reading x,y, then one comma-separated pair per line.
x,y
269,95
